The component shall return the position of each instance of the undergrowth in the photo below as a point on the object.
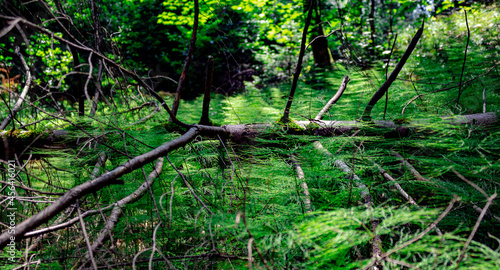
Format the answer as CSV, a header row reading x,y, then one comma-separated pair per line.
x,y
254,189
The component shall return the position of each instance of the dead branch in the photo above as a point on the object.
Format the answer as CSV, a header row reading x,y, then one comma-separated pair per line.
x,y
365,195
394,74
20,101
469,182
298,68
187,62
334,99
476,226
398,187
479,210
106,179
118,209
16,20
85,236
416,238
190,188
66,224
407,164
303,185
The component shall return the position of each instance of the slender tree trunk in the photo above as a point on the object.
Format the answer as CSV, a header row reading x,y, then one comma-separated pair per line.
x,y
187,62
97,42
205,119
298,68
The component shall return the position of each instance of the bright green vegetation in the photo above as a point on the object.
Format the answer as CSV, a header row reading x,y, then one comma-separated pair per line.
x,y
254,188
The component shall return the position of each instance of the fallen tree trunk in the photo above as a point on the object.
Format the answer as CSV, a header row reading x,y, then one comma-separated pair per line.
x,y
389,129
245,133
11,236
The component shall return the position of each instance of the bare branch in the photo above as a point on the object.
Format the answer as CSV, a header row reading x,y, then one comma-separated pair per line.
x,y
20,101
187,62
298,68
476,226
394,74
334,99
418,237
413,171
303,184
17,20
106,179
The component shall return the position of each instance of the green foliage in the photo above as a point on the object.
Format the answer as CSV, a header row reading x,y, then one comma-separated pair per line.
x,y
332,236
258,182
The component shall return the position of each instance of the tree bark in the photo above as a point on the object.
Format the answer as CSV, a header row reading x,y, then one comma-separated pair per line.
x,y
321,52
205,119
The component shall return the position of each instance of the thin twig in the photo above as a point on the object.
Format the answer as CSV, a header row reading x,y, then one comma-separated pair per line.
x,y
342,146
79,46
478,222
469,182
85,236
407,164
189,187
418,237
233,171
479,210
465,58
398,187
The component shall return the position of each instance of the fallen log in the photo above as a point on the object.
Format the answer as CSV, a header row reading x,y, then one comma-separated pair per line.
x,y
389,129
245,133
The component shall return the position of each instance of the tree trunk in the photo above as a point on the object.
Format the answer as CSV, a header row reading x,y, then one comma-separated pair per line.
x,y
321,51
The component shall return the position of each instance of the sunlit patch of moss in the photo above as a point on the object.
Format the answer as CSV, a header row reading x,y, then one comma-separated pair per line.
x,y
289,126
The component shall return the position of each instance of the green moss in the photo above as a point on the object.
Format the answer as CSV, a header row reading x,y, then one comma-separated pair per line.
x,y
173,127
400,121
